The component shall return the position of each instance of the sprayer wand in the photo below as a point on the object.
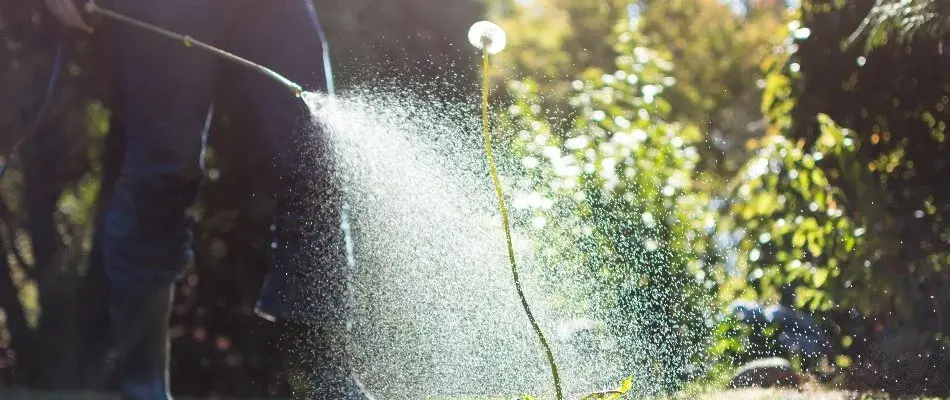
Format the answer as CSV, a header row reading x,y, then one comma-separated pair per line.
x,y
188,41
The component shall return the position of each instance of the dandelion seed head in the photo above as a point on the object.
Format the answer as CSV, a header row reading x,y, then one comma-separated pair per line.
x,y
487,36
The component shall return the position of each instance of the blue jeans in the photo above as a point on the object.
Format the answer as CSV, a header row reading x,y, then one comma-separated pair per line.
x,y
165,92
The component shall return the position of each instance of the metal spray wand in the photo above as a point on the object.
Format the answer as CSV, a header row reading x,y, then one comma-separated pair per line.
x,y
189,41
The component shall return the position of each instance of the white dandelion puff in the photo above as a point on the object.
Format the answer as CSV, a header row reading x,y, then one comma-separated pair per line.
x,y
487,36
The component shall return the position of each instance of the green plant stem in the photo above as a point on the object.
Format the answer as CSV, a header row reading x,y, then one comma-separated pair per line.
x,y
504,221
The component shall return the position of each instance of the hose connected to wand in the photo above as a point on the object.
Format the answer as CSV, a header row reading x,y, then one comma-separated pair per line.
x,y
92,8
189,41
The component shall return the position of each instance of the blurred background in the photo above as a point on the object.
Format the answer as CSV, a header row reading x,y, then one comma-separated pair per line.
x,y
797,150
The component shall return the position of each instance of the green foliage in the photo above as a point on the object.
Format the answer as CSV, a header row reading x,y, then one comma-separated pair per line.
x,y
617,188
555,40
842,208
903,20
717,54
556,37
798,228
715,51
880,179
737,343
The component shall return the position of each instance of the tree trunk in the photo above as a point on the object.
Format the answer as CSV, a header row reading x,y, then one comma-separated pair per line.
x,y
16,322
54,279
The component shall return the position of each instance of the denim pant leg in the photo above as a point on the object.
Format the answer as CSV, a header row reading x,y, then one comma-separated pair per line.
x,y
307,261
164,95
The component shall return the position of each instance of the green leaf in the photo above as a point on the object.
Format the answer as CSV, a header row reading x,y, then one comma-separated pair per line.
x,y
814,244
798,239
816,301
849,243
802,296
842,361
820,277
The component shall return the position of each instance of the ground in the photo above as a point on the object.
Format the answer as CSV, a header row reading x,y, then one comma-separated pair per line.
x,y
741,394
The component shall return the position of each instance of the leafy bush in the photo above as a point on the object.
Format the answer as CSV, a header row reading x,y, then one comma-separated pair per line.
x,y
614,198
797,229
841,211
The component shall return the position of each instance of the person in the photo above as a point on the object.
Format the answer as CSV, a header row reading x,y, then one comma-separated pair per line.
x,y
164,96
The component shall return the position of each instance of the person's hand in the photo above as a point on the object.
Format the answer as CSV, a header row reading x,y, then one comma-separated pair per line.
x,y
68,14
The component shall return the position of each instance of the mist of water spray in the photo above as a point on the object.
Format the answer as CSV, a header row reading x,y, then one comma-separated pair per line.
x,y
434,313
434,310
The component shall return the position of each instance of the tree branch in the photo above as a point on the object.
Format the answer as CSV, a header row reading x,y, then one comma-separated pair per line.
x,y
6,216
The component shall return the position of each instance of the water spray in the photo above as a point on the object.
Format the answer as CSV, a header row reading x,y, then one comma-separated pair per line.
x,y
490,39
189,41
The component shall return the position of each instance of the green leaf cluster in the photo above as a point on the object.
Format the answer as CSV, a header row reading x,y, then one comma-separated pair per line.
x,y
614,196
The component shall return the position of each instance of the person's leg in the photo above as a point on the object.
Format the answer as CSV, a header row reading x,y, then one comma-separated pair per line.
x,y
96,338
164,94
305,287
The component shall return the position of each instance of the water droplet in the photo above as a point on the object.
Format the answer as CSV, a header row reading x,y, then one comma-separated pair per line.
x,y
648,220
651,245
802,33
530,162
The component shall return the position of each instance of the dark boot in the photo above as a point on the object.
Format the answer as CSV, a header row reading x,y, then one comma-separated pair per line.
x,y
140,321
305,281
315,363
306,258
272,302
305,293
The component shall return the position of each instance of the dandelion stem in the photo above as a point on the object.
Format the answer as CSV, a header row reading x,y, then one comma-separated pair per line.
x,y
504,220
